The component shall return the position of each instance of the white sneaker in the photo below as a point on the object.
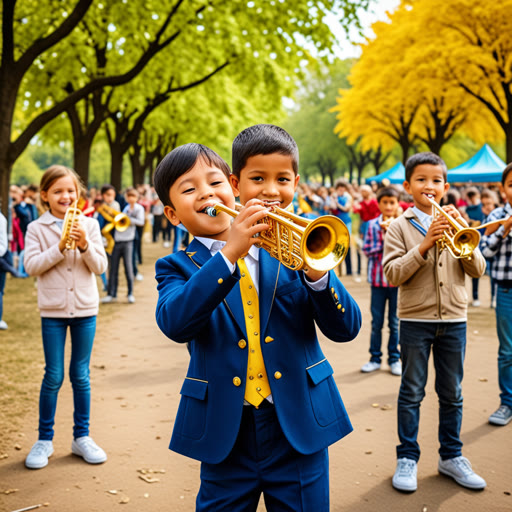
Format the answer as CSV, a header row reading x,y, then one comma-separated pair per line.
x,y
357,279
501,416
139,277
396,368
39,453
108,299
370,366
131,299
86,448
459,468
476,303
405,477
167,244
3,325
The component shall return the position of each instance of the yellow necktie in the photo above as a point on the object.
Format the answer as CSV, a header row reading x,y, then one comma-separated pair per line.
x,y
257,387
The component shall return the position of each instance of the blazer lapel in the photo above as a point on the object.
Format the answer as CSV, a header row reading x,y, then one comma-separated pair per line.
x,y
199,255
269,276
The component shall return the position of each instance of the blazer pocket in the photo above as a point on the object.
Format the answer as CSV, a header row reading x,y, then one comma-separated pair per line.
x,y
51,298
460,295
85,297
287,288
411,297
193,393
320,392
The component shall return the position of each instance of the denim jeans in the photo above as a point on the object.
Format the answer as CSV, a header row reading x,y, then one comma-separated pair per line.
x,y
122,250
381,295
448,344
504,329
54,337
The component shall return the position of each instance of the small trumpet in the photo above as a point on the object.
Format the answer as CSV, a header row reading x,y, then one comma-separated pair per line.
x,y
116,220
459,239
70,219
298,243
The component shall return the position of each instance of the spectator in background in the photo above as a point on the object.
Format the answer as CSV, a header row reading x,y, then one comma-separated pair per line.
x,y
474,216
490,202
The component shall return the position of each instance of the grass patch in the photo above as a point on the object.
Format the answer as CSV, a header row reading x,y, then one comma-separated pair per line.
x,y
21,356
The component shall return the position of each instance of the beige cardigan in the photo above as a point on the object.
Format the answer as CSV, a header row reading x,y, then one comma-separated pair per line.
x,y
66,285
431,288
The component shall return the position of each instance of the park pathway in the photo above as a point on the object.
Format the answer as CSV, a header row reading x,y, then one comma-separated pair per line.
x,y
136,377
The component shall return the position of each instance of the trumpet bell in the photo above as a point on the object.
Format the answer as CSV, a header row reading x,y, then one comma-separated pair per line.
x,y
121,222
465,242
325,243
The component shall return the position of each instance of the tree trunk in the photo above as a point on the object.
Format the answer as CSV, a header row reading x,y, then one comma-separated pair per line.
x,y
508,144
116,170
82,157
5,180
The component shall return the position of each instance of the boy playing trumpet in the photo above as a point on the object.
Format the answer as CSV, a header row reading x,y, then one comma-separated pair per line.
x,y
259,403
432,308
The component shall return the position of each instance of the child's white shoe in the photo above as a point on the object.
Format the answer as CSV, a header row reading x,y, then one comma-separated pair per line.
x,y
86,448
39,454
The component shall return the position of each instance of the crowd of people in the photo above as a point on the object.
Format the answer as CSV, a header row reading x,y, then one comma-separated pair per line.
x,y
236,397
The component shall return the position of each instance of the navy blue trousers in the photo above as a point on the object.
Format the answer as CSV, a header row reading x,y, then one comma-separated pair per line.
x,y
263,461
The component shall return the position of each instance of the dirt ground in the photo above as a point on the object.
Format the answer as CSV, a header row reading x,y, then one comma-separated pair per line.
x,y
136,377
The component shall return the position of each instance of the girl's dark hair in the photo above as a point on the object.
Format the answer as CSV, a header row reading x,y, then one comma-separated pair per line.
x,y
263,139
506,172
421,159
388,192
178,162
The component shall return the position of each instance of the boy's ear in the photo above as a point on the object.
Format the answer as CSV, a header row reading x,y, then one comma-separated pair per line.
x,y
297,178
446,187
43,194
170,213
235,184
407,187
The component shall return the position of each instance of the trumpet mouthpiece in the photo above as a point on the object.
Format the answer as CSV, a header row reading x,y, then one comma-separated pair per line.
x,y
211,211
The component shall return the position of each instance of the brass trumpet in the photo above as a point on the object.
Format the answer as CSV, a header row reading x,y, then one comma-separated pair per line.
x,y
299,243
459,239
71,217
116,220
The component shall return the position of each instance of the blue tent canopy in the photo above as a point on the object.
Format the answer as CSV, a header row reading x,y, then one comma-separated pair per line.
x,y
483,167
395,175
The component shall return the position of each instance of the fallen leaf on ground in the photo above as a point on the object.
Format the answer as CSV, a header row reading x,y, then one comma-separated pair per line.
x,y
17,446
124,501
112,491
482,379
375,405
386,407
368,452
149,479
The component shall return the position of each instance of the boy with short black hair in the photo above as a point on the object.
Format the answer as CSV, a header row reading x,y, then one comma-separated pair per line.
x,y
432,308
256,364
382,291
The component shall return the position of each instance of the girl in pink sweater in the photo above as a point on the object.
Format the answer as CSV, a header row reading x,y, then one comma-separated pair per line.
x,y
67,298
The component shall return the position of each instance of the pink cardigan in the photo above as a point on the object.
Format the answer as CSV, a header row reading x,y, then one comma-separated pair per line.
x,y
66,285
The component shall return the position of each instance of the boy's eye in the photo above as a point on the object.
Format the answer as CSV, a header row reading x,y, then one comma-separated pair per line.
x,y
284,180
257,178
215,183
188,190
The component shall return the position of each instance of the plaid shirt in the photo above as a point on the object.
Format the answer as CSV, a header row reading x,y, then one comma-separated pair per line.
x,y
373,247
498,249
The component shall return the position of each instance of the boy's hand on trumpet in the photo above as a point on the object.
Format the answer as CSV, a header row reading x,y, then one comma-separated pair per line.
x,y
243,230
435,232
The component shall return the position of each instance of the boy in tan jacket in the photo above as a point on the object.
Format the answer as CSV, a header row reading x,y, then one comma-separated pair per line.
x,y
432,308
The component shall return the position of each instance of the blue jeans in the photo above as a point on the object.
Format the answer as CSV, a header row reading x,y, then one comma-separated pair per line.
x,y
448,344
381,295
504,329
54,337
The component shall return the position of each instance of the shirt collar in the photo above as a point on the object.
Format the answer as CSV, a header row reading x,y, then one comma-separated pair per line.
x,y
423,217
214,246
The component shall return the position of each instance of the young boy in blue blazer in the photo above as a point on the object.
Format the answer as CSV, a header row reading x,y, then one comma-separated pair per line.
x,y
259,404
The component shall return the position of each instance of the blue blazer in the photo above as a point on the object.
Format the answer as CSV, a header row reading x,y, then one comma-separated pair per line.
x,y
199,302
